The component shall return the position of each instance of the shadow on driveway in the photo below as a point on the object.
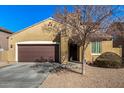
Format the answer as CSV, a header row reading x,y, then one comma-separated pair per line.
x,y
25,75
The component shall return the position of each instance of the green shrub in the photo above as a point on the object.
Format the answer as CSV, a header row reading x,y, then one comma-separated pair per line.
x,y
109,60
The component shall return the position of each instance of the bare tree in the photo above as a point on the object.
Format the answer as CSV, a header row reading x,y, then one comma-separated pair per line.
x,y
116,30
82,21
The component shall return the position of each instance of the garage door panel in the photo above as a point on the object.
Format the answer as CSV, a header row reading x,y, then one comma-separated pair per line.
x,y
30,53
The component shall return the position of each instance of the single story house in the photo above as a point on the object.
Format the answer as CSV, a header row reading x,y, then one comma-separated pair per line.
x,y
36,44
4,42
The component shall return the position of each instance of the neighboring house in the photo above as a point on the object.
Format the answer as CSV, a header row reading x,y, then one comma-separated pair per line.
x,y
35,44
3,41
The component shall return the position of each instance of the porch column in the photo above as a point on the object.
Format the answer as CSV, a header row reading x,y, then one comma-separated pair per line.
x,y
64,50
80,55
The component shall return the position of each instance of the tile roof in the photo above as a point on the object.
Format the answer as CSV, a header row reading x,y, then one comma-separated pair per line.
x,y
100,35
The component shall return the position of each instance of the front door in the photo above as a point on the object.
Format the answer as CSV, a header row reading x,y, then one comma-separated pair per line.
x,y
73,52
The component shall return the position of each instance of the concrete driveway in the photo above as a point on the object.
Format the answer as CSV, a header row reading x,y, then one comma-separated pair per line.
x,y
24,75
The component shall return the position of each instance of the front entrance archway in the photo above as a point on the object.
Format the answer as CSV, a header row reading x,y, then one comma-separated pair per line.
x,y
73,52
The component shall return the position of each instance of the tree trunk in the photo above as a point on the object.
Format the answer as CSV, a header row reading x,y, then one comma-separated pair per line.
x,y
83,64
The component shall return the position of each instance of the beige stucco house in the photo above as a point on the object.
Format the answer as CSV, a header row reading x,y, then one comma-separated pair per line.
x,y
34,44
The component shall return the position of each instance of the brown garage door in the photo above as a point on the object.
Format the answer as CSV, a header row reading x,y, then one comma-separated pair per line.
x,y
35,53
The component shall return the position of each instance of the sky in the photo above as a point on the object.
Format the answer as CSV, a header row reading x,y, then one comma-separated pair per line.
x,y
18,17
15,18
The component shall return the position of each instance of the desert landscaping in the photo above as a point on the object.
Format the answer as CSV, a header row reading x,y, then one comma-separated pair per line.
x,y
94,77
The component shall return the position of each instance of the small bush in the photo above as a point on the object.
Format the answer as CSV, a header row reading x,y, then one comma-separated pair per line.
x,y
109,60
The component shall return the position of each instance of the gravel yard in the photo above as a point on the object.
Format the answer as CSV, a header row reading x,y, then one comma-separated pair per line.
x,y
95,77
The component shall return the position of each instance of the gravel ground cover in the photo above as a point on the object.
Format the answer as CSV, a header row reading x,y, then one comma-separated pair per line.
x,y
94,77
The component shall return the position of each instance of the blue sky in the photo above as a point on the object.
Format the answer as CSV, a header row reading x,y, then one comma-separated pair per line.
x,y
15,18
18,17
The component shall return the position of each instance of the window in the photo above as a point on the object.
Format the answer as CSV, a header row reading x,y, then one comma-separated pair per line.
x,y
96,47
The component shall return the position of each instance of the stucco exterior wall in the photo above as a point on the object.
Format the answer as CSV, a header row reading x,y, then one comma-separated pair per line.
x,y
4,56
4,46
33,33
107,46
4,40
